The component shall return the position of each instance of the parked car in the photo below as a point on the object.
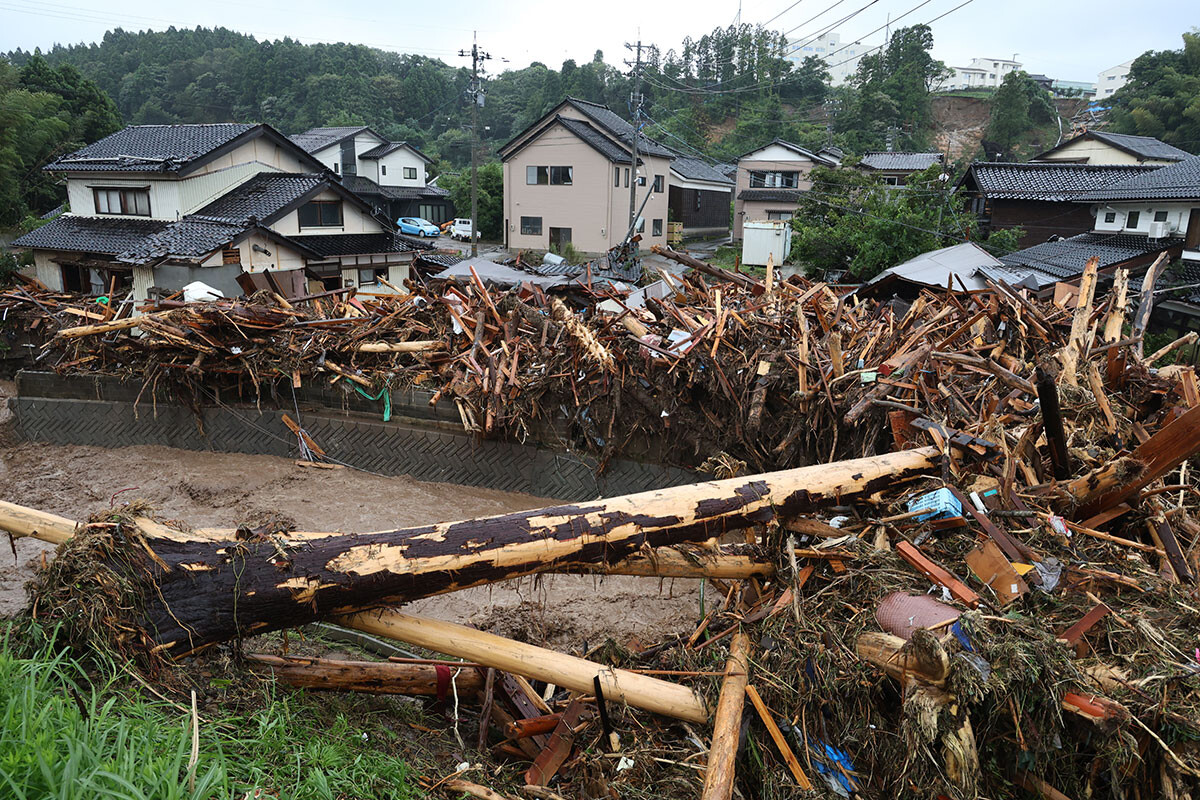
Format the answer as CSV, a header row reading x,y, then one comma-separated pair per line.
x,y
461,230
415,226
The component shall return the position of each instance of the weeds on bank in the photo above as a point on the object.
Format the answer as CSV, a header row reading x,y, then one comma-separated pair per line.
x,y
69,732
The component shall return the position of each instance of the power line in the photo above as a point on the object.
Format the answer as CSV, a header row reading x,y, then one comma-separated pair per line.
x,y
477,96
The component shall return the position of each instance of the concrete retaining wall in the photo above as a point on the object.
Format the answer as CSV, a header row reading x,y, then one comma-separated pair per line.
x,y
423,442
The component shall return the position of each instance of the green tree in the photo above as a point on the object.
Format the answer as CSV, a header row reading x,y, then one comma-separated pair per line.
x,y
1162,97
491,197
1017,107
850,221
892,94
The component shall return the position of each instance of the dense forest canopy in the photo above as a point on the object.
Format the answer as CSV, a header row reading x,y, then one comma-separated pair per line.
x,y
1162,97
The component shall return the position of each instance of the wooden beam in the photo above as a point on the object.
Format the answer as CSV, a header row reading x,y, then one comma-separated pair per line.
x,y
785,750
533,662
727,722
374,677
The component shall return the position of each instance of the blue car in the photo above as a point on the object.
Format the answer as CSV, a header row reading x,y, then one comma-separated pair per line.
x,y
415,226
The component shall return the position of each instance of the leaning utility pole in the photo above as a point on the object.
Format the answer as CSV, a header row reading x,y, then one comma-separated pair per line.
x,y
635,105
476,93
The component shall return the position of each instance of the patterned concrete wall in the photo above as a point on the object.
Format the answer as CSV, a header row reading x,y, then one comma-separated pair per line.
x,y
103,413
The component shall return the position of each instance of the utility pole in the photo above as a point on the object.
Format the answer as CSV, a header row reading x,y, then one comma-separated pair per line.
x,y
476,93
635,106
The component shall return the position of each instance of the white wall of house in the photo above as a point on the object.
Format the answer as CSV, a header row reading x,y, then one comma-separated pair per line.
x,y
280,258
390,170
396,275
143,280
331,157
1114,217
164,194
1111,79
354,220
257,151
985,73
1092,151
841,60
46,271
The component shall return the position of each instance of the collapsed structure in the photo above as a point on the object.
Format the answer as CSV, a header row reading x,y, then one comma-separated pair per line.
x,y
1022,461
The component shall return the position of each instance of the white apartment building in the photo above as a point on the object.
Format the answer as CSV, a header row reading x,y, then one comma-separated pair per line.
x,y
840,59
1111,79
981,73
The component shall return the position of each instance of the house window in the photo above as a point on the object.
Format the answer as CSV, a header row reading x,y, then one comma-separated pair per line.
x,y
383,169
410,173
891,180
553,176
641,180
335,169
1110,217
697,201
230,255
617,177
369,275
627,177
656,227
658,184
780,214
349,166
135,202
1160,216
531,226
774,180
321,214
1132,219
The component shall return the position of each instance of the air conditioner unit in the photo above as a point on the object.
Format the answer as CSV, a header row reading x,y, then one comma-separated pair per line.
x,y
1159,230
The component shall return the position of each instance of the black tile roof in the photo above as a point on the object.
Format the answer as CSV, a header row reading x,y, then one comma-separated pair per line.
x,y
611,123
369,189
263,196
315,139
101,235
693,169
342,244
900,161
189,238
596,139
1145,147
1065,258
379,151
1051,181
771,195
150,148
1179,181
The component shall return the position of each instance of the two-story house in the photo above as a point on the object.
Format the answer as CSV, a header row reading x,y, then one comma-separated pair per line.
x,y
393,176
894,167
981,73
1039,198
1102,147
770,180
567,180
156,207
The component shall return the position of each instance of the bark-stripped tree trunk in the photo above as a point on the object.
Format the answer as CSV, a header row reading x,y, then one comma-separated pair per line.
x,y
197,591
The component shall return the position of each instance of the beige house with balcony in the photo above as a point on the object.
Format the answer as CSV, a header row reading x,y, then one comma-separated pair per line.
x,y
567,179
771,179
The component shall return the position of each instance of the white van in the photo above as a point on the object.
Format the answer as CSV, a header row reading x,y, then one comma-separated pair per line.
x,y
461,229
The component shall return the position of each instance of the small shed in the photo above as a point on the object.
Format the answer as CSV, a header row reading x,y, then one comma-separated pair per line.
x,y
766,238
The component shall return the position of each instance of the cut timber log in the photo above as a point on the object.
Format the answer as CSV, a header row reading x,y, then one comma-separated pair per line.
x,y
21,521
1161,453
197,592
901,661
375,677
531,661
745,281
401,347
727,722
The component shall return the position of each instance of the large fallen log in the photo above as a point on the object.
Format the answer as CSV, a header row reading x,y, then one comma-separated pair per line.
x,y
193,592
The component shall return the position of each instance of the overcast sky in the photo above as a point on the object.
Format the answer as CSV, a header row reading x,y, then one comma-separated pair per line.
x,y
1070,40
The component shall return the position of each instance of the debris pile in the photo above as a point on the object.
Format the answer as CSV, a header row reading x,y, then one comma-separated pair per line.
x,y
998,594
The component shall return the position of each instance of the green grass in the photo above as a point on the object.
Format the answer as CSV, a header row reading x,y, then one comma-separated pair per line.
x,y
68,733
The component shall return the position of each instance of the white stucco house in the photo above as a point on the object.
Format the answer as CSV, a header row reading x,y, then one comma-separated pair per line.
x,y
772,178
156,207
